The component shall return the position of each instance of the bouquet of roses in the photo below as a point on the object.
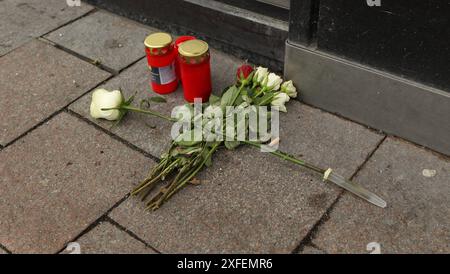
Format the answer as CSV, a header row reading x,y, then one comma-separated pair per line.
x,y
223,122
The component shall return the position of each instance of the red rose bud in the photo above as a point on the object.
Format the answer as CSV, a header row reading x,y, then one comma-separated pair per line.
x,y
244,72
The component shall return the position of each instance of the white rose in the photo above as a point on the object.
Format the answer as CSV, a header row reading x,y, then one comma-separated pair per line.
x,y
260,74
280,100
101,99
273,82
289,88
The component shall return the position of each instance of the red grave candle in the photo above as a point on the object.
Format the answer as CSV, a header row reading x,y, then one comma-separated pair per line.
x,y
180,40
161,57
194,59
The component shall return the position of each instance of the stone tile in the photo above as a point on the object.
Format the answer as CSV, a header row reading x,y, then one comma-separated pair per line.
x,y
248,203
60,178
325,139
112,40
312,250
108,239
252,202
149,133
417,217
37,80
21,20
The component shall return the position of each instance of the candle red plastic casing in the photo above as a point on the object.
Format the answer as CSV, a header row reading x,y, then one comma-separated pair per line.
x,y
161,61
196,80
180,40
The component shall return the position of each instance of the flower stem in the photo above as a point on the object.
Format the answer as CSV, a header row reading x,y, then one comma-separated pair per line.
x,y
261,91
144,111
152,180
193,173
288,157
238,93
267,100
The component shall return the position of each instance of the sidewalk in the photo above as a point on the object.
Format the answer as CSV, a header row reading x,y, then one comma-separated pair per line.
x,y
65,177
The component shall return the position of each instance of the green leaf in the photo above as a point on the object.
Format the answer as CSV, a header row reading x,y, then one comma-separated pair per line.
x,y
232,144
223,91
214,100
228,96
158,99
239,101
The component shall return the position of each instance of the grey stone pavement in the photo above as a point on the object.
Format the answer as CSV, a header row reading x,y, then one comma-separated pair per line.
x,y
65,177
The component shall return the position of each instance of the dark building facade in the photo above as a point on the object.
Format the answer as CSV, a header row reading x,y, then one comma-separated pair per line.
x,y
383,63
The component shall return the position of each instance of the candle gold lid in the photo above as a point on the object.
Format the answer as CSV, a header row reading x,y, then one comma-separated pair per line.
x,y
158,40
193,48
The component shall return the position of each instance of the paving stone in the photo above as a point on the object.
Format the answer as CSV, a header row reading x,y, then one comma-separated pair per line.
x,y
108,239
114,41
59,179
37,80
21,20
150,133
325,139
251,201
417,217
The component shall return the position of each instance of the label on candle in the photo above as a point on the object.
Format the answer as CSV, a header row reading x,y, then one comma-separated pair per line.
x,y
164,75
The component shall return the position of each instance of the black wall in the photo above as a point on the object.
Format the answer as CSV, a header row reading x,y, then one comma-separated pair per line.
x,y
409,38
259,43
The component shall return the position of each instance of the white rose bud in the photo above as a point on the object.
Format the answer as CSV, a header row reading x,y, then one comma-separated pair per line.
x,y
101,99
273,82
280,100
260,74
289,88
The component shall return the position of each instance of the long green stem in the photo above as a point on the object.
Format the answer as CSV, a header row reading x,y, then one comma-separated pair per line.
x,y
288,157
165,191
181,180
237,94
154,113
261,91
267,100
191,175
149,181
